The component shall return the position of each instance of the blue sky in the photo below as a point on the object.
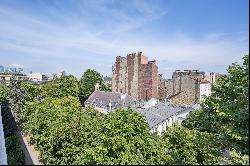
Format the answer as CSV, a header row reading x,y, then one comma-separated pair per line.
x,y
52,35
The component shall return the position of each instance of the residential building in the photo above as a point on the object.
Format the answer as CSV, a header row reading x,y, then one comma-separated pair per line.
x,y
58,75
185,87
107,80
136,76
6,78
45,78
163,115
35,77
205,89
159,116
106,102
213,77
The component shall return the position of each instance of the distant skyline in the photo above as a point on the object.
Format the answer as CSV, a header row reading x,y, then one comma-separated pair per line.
x,y
49,36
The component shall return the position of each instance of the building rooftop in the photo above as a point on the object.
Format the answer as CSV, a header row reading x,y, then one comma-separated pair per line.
x,y
160,112
153,111
103,99
106,78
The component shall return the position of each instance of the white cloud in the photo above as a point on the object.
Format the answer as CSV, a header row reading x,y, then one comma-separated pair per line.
x,y
45,38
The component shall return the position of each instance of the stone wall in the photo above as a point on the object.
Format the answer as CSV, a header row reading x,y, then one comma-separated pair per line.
x,y
165,88
188,91
183,88
169,88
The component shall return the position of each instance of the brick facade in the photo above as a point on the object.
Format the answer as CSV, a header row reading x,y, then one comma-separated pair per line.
x,y
136,76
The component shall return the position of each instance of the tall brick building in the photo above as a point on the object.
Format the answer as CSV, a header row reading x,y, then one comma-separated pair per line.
x,y
136,76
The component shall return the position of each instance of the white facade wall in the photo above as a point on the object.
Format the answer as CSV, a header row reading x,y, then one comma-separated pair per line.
x,y
212,78
35,76
159,129
162,127
205,90
170,122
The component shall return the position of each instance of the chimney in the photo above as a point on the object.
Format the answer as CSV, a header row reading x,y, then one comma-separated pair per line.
x,y
97,87
123,96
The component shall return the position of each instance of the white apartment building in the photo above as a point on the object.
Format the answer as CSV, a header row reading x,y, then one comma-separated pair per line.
x,y
35,77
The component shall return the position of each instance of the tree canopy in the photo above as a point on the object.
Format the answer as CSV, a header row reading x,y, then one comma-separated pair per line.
x,y
3,94
31,91
88,81
226,111
67,134
16,99
61,87
191,147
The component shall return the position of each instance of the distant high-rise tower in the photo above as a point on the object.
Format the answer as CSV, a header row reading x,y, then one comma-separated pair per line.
x,y
1,69
136,76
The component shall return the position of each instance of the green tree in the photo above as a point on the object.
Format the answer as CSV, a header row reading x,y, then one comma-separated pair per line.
x,y
226,112
88,81
16,99
52,123
67,134
125,139
15,155
31,90
61,87
3,94
191,147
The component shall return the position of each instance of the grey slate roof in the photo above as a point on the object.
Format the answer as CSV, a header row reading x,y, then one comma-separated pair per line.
x,y
156,114
102,99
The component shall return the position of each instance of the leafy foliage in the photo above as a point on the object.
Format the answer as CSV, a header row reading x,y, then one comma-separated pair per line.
x,y
88,81
16,99
124,138
31,91
237,159
3,94
67,134
15,155
191,147
53,125
9,125
226,112
61,87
